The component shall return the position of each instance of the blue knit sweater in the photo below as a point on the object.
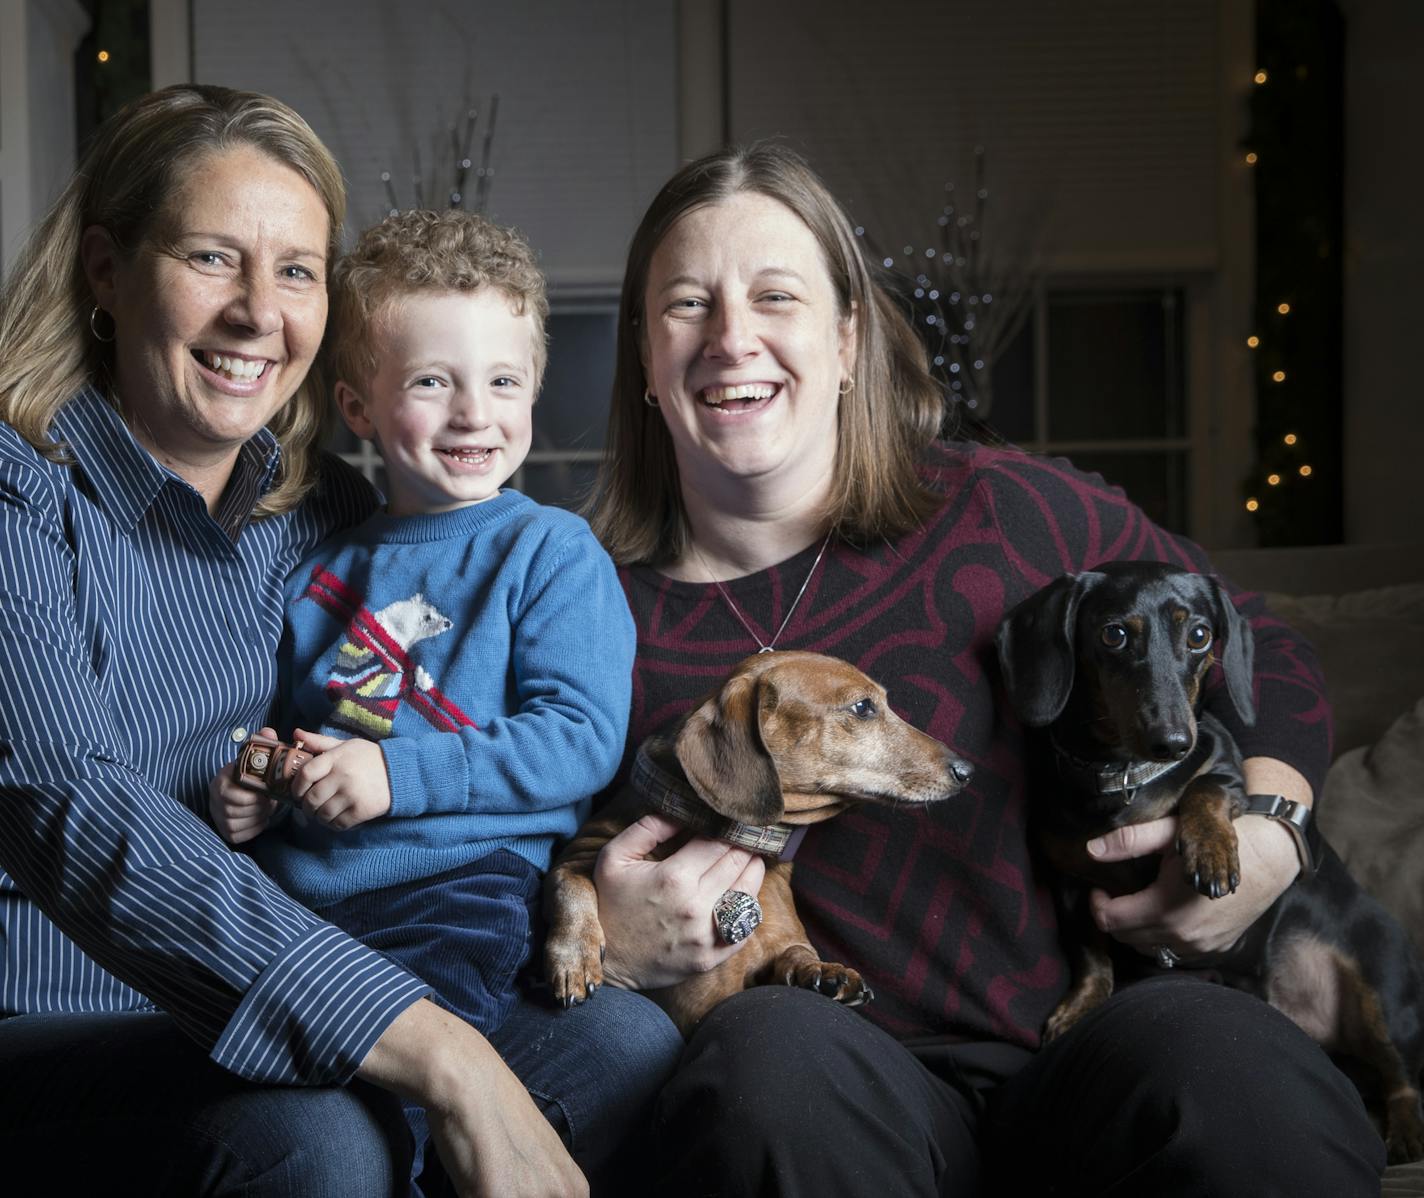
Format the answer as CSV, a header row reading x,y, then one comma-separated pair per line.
x,y
489,651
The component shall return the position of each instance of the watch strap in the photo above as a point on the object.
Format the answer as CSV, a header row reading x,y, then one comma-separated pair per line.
x,y
1296,819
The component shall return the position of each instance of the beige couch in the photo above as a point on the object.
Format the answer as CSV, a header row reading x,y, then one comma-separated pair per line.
x,y
1362,607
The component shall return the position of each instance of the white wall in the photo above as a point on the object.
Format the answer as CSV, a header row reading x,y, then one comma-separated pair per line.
x,y
37,42
1098,117
1384,267
588,114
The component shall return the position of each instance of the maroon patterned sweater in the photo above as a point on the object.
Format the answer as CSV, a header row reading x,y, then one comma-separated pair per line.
x,y
940,907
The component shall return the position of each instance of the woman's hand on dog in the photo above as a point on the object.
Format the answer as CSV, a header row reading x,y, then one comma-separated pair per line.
x,y
657,915
1170,912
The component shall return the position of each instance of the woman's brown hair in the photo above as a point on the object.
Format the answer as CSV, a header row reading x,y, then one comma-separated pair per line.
x,y
891,413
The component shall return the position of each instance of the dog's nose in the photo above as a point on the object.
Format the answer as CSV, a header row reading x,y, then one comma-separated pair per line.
x,y
961,770
1171,746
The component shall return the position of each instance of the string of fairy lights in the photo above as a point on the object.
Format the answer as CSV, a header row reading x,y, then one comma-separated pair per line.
x,y
1275,477
1294,156
111,62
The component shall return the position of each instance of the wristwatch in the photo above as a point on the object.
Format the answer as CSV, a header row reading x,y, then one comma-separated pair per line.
x,y
1296,819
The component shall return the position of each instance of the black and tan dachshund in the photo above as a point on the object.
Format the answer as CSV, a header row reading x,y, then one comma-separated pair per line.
x,y
1112,663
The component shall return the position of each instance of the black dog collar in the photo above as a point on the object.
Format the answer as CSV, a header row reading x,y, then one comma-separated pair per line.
x,y
1114,777
672,796
1296,818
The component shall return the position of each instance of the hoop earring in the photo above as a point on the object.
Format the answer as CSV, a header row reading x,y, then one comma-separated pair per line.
x,y
649,398
846,387
93,328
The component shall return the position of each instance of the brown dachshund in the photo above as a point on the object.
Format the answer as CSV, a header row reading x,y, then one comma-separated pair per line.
x,y
1111,663
790,739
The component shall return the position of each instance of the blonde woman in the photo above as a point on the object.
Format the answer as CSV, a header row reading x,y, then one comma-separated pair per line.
x,y
176,1023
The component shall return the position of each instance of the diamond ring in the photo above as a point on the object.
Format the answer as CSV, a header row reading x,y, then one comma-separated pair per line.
x,y
737,915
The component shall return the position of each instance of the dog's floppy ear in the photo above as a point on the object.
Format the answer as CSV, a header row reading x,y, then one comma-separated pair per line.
x,y
1237,653
720,750
1036,653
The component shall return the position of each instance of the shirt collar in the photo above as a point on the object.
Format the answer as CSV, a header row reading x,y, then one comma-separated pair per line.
x,y
127,479
252,476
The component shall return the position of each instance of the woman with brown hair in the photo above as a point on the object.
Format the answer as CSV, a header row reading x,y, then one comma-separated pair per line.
x,y
176,1024
775,481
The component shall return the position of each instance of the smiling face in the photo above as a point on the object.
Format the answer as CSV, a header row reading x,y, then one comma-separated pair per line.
x,y
449,405
218,313
744,347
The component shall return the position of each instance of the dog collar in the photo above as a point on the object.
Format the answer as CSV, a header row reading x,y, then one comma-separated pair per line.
x,y
1125,778
1296,819
672,796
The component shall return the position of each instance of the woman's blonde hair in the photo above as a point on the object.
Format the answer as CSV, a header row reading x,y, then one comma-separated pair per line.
x,y
884,422
124,183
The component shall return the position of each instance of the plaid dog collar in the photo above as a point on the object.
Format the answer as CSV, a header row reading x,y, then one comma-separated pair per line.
x,y
671,795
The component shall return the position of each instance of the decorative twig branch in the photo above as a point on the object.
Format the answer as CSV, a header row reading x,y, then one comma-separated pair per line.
x,y
969,293
460,142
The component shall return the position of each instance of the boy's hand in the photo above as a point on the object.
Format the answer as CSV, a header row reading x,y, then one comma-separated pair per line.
x,y
345,783
240,814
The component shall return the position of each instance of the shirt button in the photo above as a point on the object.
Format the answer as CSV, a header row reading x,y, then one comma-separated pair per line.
x,y
239,734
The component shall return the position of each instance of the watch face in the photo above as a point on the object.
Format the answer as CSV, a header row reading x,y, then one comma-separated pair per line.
x,y
268,765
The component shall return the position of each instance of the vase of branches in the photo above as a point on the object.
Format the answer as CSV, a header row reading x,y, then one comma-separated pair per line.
x,y
968,288
452,178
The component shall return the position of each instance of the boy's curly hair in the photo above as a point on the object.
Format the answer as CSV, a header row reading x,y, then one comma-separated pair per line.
x,y
418,252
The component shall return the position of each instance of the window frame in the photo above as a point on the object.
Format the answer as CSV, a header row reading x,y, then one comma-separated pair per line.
x,y
1193,357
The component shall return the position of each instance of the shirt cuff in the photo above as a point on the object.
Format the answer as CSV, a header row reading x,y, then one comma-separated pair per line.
x,y
315,1011
427,774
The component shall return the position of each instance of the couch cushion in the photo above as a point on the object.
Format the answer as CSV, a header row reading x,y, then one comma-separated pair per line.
x,y
1371,646
1372,810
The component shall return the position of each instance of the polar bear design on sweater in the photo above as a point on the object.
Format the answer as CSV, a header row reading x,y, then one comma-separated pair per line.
x,y
373,671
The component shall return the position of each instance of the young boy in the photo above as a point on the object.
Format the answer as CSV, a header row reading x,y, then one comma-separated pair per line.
x,y
461,662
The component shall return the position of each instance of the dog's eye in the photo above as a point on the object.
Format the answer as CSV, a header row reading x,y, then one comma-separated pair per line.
x,y
1114,636
863,708
1199,638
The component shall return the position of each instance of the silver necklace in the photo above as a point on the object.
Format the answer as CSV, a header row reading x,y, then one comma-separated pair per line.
x,y
765,646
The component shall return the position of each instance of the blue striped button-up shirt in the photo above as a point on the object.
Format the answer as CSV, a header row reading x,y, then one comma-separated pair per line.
x,y
137,641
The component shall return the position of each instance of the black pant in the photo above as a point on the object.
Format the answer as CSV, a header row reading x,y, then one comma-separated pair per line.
x,y
1174,1087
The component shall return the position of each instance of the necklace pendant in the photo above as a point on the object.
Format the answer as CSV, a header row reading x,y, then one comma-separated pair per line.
x,y
763,647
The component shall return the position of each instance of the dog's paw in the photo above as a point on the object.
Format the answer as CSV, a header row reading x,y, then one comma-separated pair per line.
x,y
1212,867
1404,1129
1076,1004
838,982
574,970
1060,1022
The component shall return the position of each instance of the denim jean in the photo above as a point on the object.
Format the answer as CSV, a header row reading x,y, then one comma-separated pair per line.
x,y
124,1104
